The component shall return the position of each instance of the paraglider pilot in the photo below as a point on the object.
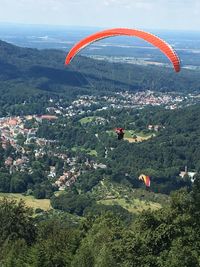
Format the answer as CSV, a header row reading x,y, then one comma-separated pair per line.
x,y
120,133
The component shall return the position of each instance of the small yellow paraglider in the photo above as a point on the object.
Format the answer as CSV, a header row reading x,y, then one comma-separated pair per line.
x,y
146,180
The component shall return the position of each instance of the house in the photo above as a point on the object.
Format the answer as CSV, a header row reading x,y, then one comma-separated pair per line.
x,y
191,175
100,165
8,161
52,173
48,117
154,127
150,127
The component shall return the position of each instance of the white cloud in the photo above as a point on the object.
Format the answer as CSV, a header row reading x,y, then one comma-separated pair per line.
x,y
105,13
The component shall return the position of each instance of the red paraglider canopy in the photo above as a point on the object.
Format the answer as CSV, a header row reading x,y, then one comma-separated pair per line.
x,y
152,39
119,130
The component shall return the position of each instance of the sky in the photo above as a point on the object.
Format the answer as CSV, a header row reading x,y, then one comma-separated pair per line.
x,y
151,14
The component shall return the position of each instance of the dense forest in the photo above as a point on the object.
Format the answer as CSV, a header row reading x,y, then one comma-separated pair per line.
x,y
167,237
30,75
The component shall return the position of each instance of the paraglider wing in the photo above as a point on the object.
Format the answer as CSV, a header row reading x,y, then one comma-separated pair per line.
x,y
119,130
145,179
150,38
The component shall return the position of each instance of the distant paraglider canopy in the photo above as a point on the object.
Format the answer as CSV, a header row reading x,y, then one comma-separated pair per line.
x,y
145,179
164,47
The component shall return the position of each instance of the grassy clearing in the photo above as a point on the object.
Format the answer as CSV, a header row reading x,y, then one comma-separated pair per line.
x,y
29,200
136,140
129,134
92,120
91,152
132,205
132,199
87,119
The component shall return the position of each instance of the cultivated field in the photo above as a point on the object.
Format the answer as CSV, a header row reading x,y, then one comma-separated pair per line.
x,y
132,205
29,200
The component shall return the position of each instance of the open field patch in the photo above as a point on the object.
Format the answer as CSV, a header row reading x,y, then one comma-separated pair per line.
x,y
30,201
132,136
132,205
91,152
87,119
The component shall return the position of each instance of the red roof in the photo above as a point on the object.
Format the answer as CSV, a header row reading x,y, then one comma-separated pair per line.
x,y
49,117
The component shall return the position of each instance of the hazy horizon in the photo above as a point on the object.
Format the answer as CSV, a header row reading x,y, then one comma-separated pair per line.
x,y
51,26
143,14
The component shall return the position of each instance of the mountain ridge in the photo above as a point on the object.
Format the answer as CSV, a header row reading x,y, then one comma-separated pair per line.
x,y
33,66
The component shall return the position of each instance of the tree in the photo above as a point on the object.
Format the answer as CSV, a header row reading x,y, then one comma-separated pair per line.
x,y
5,179
16,222
17,185
56,244
21,139
72,202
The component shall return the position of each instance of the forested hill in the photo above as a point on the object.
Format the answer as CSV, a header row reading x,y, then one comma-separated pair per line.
x,y
42,71
103,219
